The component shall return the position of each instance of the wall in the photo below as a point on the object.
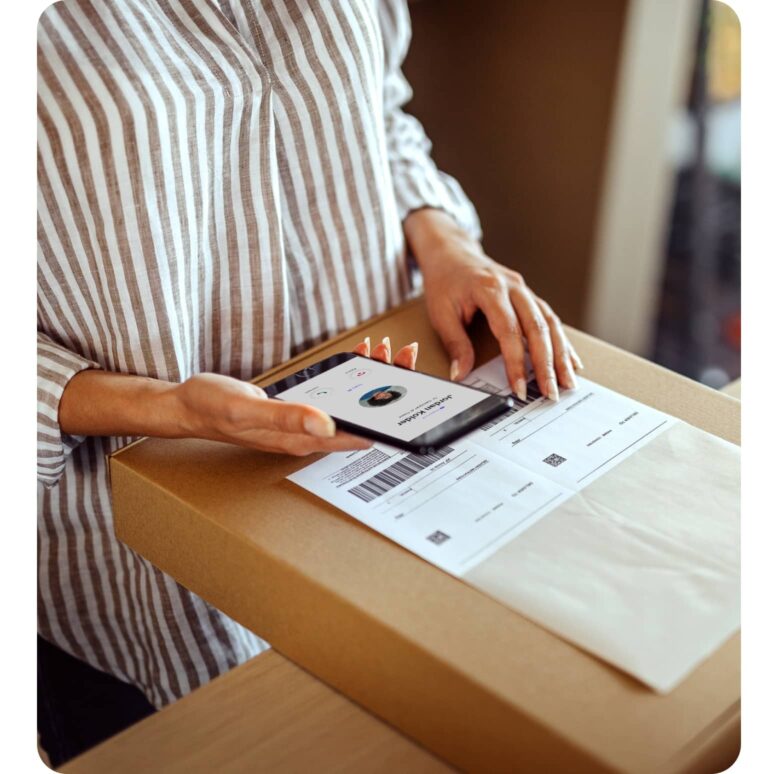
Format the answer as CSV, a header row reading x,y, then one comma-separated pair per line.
x,y
516,97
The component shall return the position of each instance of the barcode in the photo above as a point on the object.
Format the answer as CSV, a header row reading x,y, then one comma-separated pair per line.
x,y
532,393
396,474
496,420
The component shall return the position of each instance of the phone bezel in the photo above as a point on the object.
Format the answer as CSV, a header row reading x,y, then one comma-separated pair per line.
x,y
453,428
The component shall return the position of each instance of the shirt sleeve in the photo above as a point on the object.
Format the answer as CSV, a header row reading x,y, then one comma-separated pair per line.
x,y
417,181
56,367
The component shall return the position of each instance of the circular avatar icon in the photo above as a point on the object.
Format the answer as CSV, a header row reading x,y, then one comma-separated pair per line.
x,y
382,396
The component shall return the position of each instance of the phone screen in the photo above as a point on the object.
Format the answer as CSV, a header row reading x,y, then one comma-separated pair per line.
x,y
399,403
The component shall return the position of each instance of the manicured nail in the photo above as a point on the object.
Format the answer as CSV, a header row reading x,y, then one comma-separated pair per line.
x,y
553,389
454,370
367,342
320,425
519,388
578,362
387,344
572,381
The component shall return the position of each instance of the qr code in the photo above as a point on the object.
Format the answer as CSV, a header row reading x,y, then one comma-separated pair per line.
x,y
438,538
554,460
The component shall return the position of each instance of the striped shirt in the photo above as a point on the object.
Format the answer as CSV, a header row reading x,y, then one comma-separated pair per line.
x,y
221,185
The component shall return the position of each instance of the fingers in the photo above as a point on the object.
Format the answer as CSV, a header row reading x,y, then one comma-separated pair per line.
x,y
300,445
343,442
382,351
563,358
561,342
294,428
285,417
506,327
449,327
407,356
363,347
537,331
577,362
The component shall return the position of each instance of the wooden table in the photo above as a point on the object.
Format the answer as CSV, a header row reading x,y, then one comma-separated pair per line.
x,y
734,389
265,715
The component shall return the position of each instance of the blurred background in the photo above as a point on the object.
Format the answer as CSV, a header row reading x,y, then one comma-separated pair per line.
x,y
600,143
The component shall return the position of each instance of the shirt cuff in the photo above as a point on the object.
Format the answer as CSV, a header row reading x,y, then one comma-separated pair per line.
x,y
417,187
56,367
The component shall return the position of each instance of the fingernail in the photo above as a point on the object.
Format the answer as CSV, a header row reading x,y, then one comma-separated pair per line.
x,y
519,388
387,341
578,363
553,389
367,341
572,380
454,370
320,425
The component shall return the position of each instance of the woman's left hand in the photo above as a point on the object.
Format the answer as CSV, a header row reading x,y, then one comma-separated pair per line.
x,y
460,279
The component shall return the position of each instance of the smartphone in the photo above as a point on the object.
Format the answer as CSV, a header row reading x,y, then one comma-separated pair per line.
x,y
404,408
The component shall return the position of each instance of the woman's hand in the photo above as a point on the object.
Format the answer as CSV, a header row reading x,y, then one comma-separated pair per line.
x,y
460,279
210,406
221,408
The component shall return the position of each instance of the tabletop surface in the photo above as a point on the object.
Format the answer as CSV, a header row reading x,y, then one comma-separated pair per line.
x,y
265,713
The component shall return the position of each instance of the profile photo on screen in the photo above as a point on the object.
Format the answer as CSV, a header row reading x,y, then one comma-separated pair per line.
x,y
382,396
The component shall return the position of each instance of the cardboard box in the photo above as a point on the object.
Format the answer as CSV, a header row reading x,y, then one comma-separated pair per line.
x,y
476,683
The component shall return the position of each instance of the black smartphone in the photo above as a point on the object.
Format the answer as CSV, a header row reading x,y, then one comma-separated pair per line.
x,y
408,409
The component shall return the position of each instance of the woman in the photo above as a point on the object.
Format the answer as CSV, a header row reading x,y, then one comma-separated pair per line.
x,y
221,185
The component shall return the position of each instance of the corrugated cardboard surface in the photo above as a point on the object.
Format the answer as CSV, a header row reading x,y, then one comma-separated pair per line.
x,y
477,683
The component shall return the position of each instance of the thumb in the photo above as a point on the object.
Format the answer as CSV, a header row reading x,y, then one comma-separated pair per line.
x,y
456,342
296,418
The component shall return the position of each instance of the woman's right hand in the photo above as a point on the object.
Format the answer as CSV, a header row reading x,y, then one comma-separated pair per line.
x,y
220,408
209,406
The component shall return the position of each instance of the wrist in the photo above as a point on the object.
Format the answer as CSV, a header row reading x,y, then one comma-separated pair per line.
x,y
432,233
175,406
151,406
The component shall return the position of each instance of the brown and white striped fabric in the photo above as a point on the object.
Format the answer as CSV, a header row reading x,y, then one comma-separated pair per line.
x,y
221,184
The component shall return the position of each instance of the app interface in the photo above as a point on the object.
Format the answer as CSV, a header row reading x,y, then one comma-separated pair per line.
x,y
402,404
